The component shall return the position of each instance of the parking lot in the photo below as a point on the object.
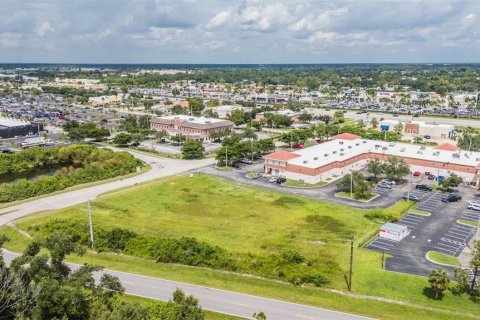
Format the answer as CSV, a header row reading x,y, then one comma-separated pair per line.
x,y
387,197
438,232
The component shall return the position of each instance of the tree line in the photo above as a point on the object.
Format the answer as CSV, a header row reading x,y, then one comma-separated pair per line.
x,y
42,286
81,164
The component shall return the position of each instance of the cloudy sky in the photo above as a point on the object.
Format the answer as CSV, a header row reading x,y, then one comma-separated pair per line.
x,y
214,31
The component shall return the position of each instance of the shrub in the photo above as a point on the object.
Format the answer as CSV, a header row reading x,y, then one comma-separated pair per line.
x,y
380,215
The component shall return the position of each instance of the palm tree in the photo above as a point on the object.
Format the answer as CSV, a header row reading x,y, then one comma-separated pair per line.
x,y
439,280
374,123
417,139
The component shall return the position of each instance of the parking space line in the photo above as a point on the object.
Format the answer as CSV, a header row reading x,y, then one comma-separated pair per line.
x,y
372,245
414,216
459,238
411,220
462,227
450,245
460,231
384,244
445,250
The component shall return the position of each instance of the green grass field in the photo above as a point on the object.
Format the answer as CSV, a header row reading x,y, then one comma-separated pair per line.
x,y
248,220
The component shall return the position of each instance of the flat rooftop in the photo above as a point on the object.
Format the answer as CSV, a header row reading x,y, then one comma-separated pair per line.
x,y
11,122
342,149
199,120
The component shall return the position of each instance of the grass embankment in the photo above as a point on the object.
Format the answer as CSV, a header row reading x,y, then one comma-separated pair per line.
x,y
470,223
297,184
443,259
420,212
247,220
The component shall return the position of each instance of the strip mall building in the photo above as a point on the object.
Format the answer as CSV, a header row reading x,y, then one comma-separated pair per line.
x,y
347,152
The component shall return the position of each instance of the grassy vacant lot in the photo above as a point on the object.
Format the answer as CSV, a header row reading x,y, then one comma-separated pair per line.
x,y
247,220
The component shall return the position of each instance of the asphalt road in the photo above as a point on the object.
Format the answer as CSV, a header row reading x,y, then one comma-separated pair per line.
x,y
222,301
438,232
160,167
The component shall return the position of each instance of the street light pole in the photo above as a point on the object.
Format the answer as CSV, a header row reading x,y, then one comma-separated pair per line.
x,y
226,156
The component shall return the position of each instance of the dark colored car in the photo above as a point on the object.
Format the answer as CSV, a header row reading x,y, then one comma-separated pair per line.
x,y
280,180
431,177
451,198
423,187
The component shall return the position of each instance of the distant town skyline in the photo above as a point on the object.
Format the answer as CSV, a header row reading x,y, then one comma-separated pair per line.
x,y
245,32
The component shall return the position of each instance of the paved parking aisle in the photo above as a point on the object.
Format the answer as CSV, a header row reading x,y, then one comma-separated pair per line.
x,y
455,239
432,202
471,215
419,193
380,190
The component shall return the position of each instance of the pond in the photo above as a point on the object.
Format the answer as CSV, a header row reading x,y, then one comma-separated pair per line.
x,y
49,170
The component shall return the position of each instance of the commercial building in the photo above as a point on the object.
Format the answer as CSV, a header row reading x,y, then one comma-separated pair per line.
x,y
196,128
348,152
225,110
393,231
420,128
11,128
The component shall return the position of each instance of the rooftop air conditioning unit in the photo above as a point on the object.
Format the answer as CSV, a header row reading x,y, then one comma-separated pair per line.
x,y
334,152
342,149
341,142
423,148
364,141
377,146
419,152
341,153
456,155
325,155
402,150
357,144
315,158
305,161
437,153
392,144
349,147
384,148
191,119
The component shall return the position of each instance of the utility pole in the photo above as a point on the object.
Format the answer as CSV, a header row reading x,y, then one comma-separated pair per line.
x,y
226,156
89,210
474,280
383,260
351,266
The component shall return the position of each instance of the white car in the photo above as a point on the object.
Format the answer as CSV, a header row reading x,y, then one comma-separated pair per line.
x,y
474,203
272,180
475,207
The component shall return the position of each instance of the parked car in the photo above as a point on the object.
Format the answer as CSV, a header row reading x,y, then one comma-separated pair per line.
x,y
417,174
272,180
427,137
440,178
452,198
431,177
385,185
236,165
280,180
257,175
390,182
247,161
298,146
427,173
423,187
412,197
474,206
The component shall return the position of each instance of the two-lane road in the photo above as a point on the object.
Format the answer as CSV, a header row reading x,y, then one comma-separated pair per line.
x,y
222,301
